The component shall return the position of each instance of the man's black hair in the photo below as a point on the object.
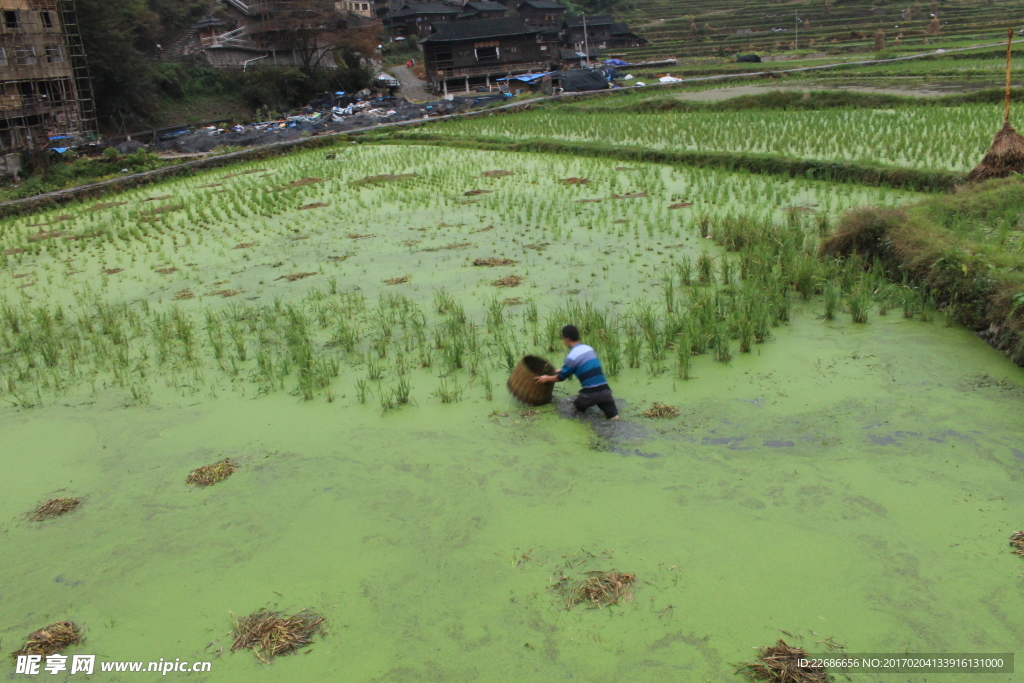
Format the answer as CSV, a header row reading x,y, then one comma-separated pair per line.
x,y
571,333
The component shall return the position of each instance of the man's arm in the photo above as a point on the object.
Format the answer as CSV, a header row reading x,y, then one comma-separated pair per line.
x,y
565,373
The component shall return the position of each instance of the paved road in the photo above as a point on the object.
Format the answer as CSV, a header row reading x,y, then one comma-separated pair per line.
x,y
413,89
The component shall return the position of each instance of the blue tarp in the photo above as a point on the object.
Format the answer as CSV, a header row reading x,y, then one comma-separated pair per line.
x,y
60,150
616,62
60,137
525,78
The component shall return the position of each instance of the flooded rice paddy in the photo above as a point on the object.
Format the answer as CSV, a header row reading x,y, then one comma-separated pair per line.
x,y
839,483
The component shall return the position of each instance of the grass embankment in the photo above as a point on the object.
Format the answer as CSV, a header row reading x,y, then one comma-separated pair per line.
x,y
964,250
805,101
920,180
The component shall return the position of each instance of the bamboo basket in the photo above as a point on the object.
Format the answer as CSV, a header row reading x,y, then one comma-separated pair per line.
x,y
522,383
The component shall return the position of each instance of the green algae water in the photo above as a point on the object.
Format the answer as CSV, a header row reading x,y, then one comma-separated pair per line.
x,y
840,484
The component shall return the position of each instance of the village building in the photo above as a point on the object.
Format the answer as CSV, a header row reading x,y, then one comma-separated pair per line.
x,y
622,36
288,33
418,19
598,33
542,13
45,95
483,9
462,55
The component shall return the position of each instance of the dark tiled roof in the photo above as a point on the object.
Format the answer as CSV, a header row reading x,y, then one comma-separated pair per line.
x,y
621,29
416,8
543,4
482,28
485,6
577,21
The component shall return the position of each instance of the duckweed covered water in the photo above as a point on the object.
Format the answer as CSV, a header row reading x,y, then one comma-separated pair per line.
x,y
847,482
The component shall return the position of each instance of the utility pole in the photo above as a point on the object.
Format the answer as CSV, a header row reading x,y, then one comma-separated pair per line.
x,y
586,42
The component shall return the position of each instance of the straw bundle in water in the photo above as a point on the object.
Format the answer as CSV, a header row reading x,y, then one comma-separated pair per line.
x,y
522,384
1006,155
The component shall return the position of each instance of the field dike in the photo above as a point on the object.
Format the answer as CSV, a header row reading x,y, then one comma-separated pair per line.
x,y
918,180
963,250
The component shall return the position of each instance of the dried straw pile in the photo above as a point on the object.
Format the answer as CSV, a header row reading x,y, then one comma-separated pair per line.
x,y
268,634
51,639
207,475
54,508
522,384
780,663
1017,542
599,589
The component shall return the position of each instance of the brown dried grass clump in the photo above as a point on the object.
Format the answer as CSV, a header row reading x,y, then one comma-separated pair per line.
x,y
1004,157
660,410
780,663
113,271
498,173
292,277
629,195
160,198
493,262
681,205
184,294
474,193
317,205
599,589
226,293
302,182
385,178
105,205
208,475
357,236
167,271
244,245
575,181
1017,541
865,231
510,281
268,634
397,280
51,639
44,235
54,508
163,209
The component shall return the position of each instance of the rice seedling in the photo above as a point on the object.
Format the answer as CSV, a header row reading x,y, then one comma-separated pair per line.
x,y
446,393
831,300
858,302
705,269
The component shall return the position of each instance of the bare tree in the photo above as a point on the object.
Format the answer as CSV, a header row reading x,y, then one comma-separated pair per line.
x,y
310,28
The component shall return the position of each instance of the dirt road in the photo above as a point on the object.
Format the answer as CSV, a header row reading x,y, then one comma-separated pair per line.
x,y
413,89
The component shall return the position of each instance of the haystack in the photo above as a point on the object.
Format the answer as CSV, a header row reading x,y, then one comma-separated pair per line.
x,y
1006,155
523,385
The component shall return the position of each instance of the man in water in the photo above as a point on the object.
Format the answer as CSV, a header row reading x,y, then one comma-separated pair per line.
x,y
582,361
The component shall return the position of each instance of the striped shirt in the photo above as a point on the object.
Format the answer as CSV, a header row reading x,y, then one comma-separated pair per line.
x,y
582,361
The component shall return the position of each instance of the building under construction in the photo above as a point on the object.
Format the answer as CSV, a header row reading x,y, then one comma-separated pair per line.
x,y
45,93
